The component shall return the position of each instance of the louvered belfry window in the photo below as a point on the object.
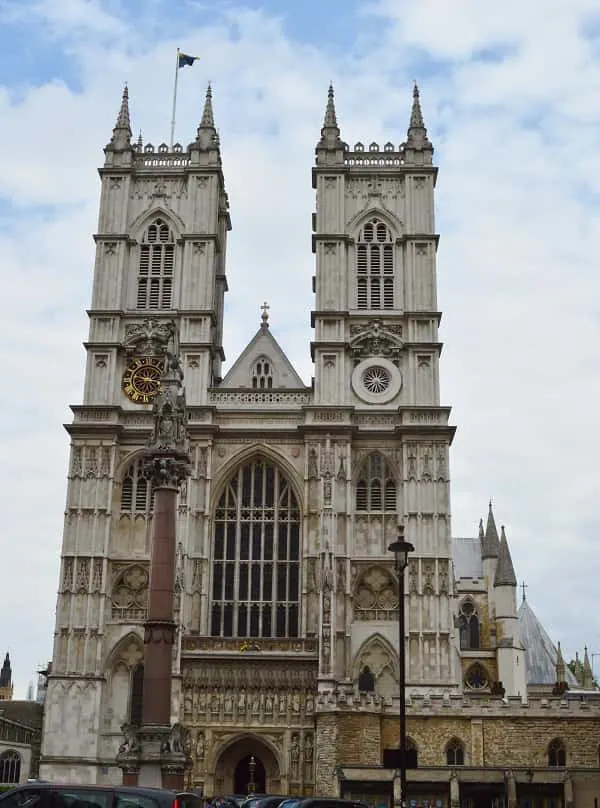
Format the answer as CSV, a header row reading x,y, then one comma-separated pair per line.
x,y
375,266
136,491
256,555
155,275
376,486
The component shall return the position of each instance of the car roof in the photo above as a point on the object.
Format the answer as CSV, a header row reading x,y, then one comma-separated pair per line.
x,y
125,789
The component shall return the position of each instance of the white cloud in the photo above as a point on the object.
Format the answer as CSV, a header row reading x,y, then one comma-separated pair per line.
x,y
518,214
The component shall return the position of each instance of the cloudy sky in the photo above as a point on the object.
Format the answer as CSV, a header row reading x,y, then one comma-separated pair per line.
x,y
511,97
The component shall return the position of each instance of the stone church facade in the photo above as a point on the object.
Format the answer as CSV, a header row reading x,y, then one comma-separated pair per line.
x,y
286,595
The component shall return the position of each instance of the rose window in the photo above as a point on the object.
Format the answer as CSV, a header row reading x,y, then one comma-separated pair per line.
x,y
376,379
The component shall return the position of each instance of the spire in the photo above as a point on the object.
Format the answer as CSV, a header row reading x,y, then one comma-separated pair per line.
x,y
330,133
561,675
208,119
121,136
6,672
505,572
416,138
330,117
588,674
481,533
491,544
207,138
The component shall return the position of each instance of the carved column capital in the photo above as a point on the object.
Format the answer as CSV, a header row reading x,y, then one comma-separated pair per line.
x,y
159,631
167,470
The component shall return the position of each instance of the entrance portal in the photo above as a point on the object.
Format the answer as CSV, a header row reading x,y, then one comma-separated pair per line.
x,y
232,768
249,776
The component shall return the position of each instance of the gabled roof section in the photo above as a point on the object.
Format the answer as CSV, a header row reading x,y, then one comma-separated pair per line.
x,y
263,364
541,655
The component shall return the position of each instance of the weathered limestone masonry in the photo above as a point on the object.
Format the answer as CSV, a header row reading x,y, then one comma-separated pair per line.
x,y
237,597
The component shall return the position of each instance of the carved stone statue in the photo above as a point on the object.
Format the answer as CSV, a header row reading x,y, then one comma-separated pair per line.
x,y
130,739
200,746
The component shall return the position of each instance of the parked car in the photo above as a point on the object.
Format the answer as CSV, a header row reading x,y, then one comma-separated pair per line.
x,y
54,795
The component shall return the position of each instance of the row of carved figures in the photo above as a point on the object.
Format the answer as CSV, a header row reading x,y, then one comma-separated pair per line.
x,y
240,702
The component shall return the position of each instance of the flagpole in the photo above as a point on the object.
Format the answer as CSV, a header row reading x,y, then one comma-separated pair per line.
x,y
174,101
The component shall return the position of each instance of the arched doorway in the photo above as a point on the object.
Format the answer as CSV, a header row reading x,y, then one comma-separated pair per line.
x,y
232,772
249,776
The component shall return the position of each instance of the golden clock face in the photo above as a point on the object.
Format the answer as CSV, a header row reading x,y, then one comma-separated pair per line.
x,y
141,380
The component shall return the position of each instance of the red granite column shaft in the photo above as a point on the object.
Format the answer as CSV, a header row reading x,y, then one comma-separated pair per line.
x,y
160,627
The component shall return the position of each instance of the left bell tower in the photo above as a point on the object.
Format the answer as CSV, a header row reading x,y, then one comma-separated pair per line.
x,y
158,289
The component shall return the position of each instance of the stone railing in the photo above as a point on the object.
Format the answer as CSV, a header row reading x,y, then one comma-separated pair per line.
x,y
265,398
249,646
162,157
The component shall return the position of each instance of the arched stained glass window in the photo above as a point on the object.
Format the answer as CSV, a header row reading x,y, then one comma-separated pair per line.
x,y
256,555
10,767
557,753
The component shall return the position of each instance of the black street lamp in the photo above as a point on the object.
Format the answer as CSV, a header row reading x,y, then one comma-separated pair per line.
x,y
251,770
401,548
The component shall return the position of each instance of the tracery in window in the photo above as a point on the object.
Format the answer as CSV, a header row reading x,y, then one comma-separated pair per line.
x,y
155,271
455,753
468,625
262,374
136,491
256,555
376,486
375,266
476,677
10,767
557,753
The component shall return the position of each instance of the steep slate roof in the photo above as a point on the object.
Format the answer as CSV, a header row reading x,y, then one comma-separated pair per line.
x,y
541,654
263,345
466,554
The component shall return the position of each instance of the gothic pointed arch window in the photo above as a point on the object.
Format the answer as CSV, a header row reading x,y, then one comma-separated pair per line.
x,y
376,485
156,266
136,491
256,555
557,753
375,266
468,626
455,753
137,695
10,767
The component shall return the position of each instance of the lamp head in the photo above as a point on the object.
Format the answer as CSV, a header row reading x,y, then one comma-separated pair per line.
x,y
401,549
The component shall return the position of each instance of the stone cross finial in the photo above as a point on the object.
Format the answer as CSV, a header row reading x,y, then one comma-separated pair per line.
x,y
524,586
265,314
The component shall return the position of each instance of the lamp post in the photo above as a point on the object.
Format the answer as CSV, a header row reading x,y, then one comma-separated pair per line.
x,y
401,548
251,769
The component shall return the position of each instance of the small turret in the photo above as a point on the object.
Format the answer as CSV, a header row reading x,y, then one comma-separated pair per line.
x,y
330,147
561,685
587,679
418,148
207,138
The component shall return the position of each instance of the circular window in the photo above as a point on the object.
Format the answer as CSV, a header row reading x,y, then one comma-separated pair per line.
x,y
376,381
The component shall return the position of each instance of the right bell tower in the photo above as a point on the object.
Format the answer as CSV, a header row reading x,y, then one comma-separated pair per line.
x,y
376,352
